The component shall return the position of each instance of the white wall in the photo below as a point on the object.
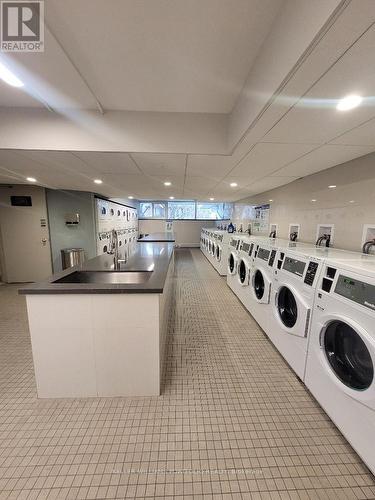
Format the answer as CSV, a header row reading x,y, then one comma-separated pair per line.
x,y
187,233
348,207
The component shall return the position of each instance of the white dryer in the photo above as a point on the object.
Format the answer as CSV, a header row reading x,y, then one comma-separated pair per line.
x,y
341,353
102,244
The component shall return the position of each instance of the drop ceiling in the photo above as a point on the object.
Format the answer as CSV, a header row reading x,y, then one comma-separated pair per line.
x,y
195,56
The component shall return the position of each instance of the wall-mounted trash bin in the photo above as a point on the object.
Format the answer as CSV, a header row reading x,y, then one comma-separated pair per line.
x,y
72,257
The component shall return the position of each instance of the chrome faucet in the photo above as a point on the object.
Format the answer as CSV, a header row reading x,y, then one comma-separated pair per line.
x,y
113,248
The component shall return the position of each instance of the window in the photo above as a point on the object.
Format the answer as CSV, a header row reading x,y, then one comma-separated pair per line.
x,y
160,210
210,211
145,210
181,210
184,210
227,212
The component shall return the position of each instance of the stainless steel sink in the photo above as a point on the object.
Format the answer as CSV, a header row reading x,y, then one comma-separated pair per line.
x,y
110,277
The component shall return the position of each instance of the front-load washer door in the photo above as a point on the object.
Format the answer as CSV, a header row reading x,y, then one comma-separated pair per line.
x,y
347,353
232,263
243,272
292,312
261,286
218,253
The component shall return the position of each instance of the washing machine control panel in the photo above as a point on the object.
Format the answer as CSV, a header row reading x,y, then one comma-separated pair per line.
x,y
358,291
245,247
311,273
272,258
263,254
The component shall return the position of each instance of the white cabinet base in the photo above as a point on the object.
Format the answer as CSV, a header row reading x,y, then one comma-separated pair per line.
x,y
99,345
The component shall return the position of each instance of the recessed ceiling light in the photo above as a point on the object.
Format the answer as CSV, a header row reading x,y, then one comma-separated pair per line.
x,y
171,197
352,201
332,186
131,197
212,199
349,102
313,200
167,183
270,200
8,77
233,184
31,179
98,181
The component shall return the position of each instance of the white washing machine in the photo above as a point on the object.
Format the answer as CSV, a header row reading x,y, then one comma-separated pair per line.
x,y
202,239
261,280
232,261
296,275
244,268
221,252
295,280
341,352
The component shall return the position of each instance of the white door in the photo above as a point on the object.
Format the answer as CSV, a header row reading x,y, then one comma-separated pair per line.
x,y
26,252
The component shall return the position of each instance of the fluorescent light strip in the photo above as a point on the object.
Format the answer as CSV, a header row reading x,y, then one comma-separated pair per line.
x,y
8,77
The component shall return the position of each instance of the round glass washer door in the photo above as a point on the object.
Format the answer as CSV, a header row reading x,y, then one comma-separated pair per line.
x,y
231,263
348,355
287,307
259,284
218,256
242,271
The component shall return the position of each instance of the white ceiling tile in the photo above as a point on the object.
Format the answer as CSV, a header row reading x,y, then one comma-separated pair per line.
x,y
266,158
109,163
268,183
126,54
161,165
209,166
315,118
323,158
199,184
364,135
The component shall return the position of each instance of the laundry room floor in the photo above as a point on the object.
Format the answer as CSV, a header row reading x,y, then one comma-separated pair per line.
x,y
233,421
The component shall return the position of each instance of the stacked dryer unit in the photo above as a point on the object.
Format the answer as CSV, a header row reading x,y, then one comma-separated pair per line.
x,y
341,352
114,216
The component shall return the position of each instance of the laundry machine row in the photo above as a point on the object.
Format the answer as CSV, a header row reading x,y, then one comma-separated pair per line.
x,y
214,245
317,306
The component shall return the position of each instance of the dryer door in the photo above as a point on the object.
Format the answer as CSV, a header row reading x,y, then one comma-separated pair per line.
x,y
292,311
261,286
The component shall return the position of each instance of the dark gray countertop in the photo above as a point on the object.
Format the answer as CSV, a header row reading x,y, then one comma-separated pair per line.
x,y
145,257
158,237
